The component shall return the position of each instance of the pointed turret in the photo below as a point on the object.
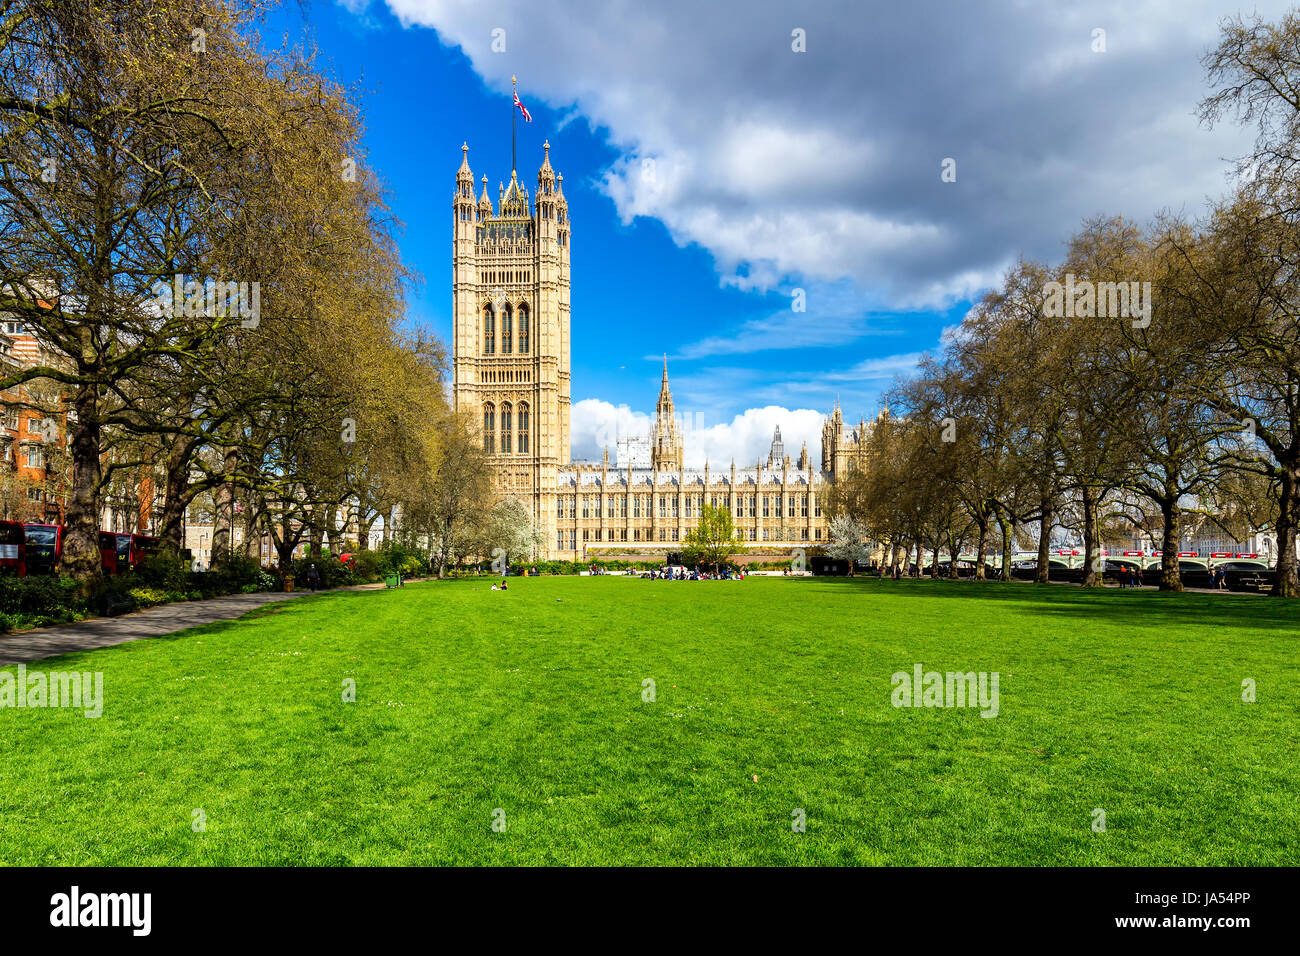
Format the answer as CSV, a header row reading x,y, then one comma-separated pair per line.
x,y
485,203
463,175
546,175
667,450
464,200
777,452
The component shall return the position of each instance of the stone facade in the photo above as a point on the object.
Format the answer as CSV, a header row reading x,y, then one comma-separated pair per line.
x,y
511,371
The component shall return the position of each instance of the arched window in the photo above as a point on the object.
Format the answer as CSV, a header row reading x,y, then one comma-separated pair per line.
x,y
489,429
489,331
523,329
522,443
506,330
506,426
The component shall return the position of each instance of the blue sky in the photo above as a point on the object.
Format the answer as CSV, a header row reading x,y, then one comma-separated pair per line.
x,y
775,170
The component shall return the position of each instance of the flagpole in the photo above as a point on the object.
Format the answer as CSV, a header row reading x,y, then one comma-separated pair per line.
x,y
513,94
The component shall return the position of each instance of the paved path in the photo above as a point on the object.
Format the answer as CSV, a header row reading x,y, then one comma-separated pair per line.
x,y
27,646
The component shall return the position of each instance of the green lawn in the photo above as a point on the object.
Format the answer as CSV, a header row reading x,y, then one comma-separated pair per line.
x,y
530,701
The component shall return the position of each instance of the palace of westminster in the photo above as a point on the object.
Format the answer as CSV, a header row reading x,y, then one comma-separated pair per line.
x,y
511,347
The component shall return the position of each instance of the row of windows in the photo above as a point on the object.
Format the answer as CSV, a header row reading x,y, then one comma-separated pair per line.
x,y
507,340
567,540
492,440
509,376
507,276
774,506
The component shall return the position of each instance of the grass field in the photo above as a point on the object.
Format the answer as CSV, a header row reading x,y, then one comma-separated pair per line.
x,y
530,701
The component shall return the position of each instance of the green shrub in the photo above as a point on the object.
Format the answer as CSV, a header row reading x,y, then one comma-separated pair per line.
x,y
396,556
148,597
164,571
333,572
232,574
365,565
42,594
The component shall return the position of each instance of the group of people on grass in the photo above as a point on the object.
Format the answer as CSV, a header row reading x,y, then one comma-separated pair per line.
x,y
670,573
1131,578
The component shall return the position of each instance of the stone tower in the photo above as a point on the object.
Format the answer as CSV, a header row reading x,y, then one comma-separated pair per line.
x,y
776,454
510,308
666,442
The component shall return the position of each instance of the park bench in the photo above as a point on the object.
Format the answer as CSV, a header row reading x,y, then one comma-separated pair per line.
x,y
115,604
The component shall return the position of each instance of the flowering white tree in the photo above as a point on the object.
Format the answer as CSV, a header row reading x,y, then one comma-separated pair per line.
x,y
513,531
849,540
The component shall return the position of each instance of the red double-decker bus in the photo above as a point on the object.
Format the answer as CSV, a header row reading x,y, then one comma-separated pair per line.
x,y
44,547
13,548
143,547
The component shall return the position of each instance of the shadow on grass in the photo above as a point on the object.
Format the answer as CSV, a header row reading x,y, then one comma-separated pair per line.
x,y
1143,608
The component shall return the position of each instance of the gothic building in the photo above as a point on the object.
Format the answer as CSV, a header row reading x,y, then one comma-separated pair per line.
x,y
511,371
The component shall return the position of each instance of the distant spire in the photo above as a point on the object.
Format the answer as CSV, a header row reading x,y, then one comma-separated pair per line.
x,y
776,454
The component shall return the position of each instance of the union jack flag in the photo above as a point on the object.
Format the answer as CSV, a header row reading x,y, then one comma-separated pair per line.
x,y
528,117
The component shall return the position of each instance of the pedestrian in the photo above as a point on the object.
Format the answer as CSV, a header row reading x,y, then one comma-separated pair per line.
x,y
313,577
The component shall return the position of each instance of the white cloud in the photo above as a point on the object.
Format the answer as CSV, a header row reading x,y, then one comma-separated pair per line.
x,y
746,438
823,166
595,425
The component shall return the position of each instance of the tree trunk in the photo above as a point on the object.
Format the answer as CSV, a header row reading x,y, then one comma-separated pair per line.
x,y
1287,584
81,557
223,522
1008,534
981,542
445,546
1171,541
1041,576
1091,557
175,484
